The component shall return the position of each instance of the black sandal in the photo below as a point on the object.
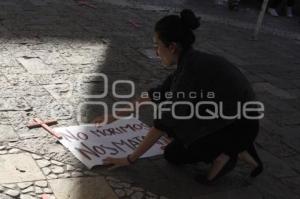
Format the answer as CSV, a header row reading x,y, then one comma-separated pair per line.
x,y
229,166
259,169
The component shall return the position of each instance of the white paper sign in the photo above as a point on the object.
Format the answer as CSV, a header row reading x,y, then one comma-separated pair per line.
x,y
91,144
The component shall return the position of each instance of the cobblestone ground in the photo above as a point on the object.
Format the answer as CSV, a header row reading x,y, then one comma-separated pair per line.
x,y
49,49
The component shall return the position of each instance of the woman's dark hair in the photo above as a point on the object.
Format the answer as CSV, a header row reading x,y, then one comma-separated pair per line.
x,y
178,29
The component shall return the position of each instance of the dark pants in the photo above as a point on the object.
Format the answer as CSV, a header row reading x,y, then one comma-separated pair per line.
x,y
275,3
230,140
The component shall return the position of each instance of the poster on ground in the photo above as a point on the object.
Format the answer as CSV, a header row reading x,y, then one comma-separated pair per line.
x,y
91,144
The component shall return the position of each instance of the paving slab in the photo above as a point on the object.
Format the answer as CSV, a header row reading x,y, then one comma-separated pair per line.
x,y
19,168
294,162
60,91
273,188
4,196
275,167
7,133
267,87
291,136
272,142
47,146
13,104
293,184
78,188
244,193
35,65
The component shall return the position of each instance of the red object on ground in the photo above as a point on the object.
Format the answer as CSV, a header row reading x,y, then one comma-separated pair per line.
x,y
134,23
45,196
44,124
86,3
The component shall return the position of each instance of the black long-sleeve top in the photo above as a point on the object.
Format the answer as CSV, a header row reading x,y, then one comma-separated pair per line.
x,y
200,74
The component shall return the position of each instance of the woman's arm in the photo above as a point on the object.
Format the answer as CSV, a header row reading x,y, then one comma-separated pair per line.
x,y
151,138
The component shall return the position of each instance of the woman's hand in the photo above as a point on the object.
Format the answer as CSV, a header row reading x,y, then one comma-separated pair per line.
x,y
115,162
150,139
99,121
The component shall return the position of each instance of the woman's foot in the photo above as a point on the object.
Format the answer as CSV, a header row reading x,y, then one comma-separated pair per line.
x,y
258,170
222,165
273,12
251,157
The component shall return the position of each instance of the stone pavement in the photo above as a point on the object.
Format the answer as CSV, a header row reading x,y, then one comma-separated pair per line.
x,y
49,53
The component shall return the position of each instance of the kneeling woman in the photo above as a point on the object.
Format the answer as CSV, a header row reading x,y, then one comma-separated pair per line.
x,y
217,140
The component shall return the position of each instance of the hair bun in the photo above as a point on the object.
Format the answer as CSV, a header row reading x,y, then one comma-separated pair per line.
x,y
189,19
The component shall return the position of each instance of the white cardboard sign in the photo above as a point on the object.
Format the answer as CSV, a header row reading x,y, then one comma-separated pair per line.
x,y
91,144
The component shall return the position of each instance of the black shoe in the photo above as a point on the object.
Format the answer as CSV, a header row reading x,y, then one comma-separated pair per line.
x,y
259,169
229,166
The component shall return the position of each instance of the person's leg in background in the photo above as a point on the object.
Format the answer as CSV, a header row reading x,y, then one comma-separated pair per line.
x,y
233,4
273,6
290,5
